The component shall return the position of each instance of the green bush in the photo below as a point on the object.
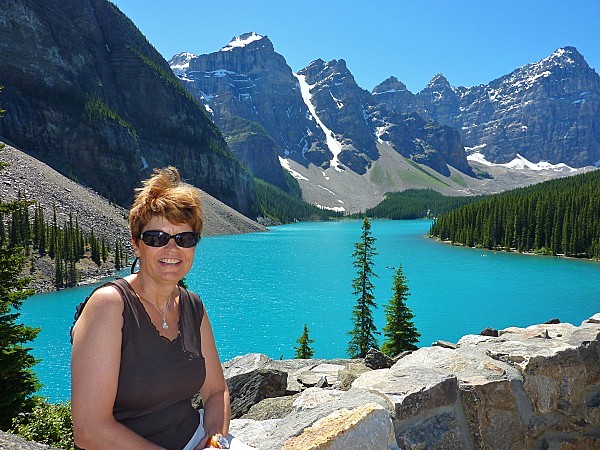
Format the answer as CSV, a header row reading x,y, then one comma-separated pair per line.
x,y
48,423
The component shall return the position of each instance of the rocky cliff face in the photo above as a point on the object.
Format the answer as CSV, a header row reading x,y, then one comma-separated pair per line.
x,y
319,115
87,94
249,80
340,104
544,111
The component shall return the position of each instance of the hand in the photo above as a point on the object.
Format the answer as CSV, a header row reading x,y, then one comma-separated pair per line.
x,y
217,440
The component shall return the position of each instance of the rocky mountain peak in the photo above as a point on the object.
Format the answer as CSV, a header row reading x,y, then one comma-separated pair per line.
x,y
389,85
566,55
439,81
332,72
180,62
245,40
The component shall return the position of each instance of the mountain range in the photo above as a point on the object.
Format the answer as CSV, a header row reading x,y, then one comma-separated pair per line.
x,y
319,120
87,94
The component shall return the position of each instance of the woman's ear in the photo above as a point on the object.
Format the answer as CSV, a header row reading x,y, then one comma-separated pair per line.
x,y
136,249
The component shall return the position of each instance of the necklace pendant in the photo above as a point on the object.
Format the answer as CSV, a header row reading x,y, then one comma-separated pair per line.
x,y
165,325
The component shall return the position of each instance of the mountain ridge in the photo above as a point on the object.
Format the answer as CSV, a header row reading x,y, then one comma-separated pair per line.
x,y
323,118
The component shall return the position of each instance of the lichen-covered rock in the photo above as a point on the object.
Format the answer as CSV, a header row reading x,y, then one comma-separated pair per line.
x,y
510,391
249,388
376,359
272,408
368,426
312,397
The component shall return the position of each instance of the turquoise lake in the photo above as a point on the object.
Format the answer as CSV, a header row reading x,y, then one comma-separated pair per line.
x,y
260,288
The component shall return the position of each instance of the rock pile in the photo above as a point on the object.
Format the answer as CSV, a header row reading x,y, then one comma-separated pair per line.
x,y
527,388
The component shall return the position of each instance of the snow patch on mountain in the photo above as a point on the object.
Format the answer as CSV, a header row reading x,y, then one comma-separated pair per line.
x,y
335,147
242,41
180,63
519,163
286,165
330,208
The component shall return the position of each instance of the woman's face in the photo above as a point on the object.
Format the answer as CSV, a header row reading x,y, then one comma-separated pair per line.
x,y
169,263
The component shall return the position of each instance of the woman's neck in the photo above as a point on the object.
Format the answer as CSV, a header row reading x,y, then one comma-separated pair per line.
x,y
151,290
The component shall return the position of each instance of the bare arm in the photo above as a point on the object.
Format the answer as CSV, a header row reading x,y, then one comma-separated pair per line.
x,y
95,361
214,393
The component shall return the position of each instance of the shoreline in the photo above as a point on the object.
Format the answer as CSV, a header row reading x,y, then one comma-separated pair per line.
x,y
514,251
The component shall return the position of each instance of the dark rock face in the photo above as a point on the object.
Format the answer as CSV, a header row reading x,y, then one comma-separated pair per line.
x,y
87,94
255,83
425,142
253,146
247,389
341,105
310,116
376,359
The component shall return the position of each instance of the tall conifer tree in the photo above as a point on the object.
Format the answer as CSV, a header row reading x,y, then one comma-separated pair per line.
x,y
17,381
364,331
399,331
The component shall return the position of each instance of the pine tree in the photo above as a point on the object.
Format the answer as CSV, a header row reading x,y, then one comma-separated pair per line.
x,y
399,331
303,351
17,381
118,264
364,331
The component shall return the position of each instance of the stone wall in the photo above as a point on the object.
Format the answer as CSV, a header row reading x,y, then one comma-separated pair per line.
x,y
519,388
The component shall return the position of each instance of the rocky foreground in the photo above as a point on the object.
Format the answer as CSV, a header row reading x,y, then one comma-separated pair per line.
x,y
519,388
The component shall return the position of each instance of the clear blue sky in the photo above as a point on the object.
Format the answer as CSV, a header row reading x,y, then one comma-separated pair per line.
x,y
471,42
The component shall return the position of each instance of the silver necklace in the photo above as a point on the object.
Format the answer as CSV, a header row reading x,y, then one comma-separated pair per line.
x,y
165,325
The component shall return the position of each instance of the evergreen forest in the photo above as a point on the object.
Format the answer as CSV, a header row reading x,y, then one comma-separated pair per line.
x,y
557,217
65,245
283,207
416,204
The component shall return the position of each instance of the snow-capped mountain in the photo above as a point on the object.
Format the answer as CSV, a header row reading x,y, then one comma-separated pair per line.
x,y
544,113
317,116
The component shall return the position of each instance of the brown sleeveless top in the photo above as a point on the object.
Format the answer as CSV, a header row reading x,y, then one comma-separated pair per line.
x,y
159,377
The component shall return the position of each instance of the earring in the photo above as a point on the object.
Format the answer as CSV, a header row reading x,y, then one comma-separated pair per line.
x,y
133,271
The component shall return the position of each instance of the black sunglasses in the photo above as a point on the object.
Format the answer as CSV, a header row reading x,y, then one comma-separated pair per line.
x,y
157,238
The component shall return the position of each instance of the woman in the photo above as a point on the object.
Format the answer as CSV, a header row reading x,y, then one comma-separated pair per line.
x,y
143,346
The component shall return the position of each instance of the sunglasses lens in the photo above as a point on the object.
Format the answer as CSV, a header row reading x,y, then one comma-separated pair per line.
x,y
155,238
187,239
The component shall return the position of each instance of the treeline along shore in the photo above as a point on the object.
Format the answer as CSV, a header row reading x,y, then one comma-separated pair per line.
x,y
557,217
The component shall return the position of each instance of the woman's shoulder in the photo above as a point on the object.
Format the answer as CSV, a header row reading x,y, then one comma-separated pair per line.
x,y
106,299
103,308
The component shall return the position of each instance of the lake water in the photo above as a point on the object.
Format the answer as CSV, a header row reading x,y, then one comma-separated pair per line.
x,y
260,288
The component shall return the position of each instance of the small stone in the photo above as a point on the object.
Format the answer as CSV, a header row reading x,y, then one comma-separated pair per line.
x,y
489,332
376,359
